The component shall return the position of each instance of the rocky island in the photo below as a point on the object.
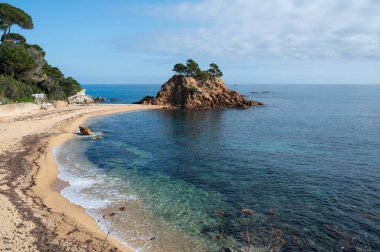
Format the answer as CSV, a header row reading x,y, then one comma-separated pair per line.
x,y
192,88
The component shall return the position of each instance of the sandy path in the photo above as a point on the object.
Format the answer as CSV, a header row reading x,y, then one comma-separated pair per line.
x,y
33,216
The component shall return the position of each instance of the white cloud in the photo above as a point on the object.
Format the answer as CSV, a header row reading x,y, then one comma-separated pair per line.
x,y
289,29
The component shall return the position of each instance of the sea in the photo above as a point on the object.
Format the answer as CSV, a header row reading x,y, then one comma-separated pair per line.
x,y
307,163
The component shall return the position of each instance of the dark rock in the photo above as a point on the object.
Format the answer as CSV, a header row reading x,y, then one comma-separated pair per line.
x,y
189,93
99,99
85,131
146,100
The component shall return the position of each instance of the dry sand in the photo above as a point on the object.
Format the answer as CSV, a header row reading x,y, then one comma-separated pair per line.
x,y
33,214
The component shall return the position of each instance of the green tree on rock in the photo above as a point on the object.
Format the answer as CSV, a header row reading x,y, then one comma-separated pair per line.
x,y
53,72
10,15
192,68
203,75
70,86
180,69
38,48
215,70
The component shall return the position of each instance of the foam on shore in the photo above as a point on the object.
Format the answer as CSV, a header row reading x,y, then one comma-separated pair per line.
x,y
88,186
101,194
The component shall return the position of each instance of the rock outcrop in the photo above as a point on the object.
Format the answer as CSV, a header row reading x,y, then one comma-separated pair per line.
x,y
99,99
189,93
37,74
81,98
85,131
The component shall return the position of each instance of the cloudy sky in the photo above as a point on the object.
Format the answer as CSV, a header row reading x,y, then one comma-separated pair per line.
x,y
253,41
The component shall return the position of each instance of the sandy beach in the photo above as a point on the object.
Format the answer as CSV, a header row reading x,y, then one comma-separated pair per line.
x,y
34,216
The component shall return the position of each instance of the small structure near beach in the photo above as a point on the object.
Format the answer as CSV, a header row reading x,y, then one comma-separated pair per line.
x,y
39,96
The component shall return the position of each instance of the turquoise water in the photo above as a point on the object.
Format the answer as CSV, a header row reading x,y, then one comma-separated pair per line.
x,y
313,153
119,94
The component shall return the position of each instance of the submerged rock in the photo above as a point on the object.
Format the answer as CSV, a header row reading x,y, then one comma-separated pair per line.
x,y
85,131
190,93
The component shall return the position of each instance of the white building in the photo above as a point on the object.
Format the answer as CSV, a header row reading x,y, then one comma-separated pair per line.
x,y
39,96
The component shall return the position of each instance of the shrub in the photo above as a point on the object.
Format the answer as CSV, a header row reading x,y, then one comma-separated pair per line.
x,y
193,89
38,48
14,90
53,90
70,86
53,72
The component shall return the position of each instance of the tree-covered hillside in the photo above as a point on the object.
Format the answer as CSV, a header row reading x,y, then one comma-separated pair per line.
x,y
23,68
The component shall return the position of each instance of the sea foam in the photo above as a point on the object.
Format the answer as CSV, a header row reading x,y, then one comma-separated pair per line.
x,y
88,186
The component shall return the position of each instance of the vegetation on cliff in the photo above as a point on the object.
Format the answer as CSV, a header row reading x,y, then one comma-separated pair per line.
x,y
192,69
23,68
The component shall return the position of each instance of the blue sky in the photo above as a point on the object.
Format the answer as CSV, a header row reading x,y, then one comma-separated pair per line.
x,y
253,41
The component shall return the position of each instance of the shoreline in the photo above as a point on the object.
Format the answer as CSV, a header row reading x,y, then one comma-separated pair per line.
x,y
48,181
68,224
47,189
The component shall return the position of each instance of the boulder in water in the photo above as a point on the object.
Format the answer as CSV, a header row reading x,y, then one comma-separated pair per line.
x,y
85,131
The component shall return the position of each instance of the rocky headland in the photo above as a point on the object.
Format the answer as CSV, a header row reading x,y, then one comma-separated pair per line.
x,y
188,92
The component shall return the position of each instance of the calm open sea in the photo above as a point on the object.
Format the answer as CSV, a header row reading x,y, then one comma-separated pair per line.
x,y
312,152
